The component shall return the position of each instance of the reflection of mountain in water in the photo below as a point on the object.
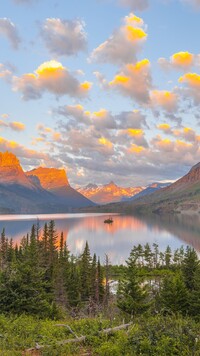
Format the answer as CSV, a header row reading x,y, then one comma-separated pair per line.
x,y
185,227
117,239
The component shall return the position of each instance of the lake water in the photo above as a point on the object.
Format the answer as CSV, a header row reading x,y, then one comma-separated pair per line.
x,y
117,239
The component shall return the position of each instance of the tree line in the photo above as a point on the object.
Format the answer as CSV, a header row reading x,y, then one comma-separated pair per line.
x,y
39,276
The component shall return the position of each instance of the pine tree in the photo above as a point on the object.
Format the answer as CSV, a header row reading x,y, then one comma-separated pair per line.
x,y
174,295
132,297
194,296
189,267
85,274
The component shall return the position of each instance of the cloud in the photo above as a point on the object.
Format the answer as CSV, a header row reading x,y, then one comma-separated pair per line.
x,y
5,73
64,37
135,5
134,81
166,128
15,125
9,31
20,150
165,99
192,86
124,44
180,61
50,77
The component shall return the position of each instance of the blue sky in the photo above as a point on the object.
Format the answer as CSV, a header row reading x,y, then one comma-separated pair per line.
x,y
136,117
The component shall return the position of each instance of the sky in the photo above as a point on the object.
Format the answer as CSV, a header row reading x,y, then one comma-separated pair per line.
x,y
106,89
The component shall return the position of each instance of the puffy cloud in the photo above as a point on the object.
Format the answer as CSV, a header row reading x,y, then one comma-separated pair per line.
x,y
124,44
164,99
64,37
50,77
77,115
192,83
137,135
9,30
134,80
135,5
180,61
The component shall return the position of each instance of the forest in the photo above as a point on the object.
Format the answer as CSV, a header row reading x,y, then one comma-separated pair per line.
x,y
55,303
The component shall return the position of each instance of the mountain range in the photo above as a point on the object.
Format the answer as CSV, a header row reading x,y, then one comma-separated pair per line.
x,y
108,193
42,190
182,196
47,190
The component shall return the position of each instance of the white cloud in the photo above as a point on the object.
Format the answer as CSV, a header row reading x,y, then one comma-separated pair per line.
x,y
9,31
124,44
50,77
64,37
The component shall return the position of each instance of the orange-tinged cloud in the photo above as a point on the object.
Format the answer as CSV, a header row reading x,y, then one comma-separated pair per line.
x,y
183,144
120,79
135,34
49,68
53,77
134,80
101,113
164,127
135,132
17,126
86,86
165,99
182,59
136,149
192,79
105,142
124,44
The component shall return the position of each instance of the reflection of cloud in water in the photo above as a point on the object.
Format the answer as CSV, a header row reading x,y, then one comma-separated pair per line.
x,y
117,239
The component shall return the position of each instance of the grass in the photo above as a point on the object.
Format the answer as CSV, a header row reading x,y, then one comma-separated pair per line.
x,y
149,335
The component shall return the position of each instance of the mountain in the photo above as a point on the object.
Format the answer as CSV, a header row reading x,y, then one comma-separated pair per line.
x,y
149,190
108,193
182,196
56,182
11,172
22,194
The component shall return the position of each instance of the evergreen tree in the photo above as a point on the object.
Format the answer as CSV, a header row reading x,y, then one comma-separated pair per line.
x,y
194,296
174,294
132,297
189,267
85,274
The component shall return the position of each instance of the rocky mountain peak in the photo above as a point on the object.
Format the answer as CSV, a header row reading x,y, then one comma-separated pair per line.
x,y
11,172
50,178
8,159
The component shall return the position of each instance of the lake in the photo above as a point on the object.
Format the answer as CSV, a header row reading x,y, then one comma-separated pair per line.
x,y
117,239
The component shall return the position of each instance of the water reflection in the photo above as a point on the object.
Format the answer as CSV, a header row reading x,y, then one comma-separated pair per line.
x,y
117,239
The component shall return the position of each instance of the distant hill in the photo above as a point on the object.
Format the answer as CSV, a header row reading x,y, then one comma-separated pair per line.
x,y
108,193
22,194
